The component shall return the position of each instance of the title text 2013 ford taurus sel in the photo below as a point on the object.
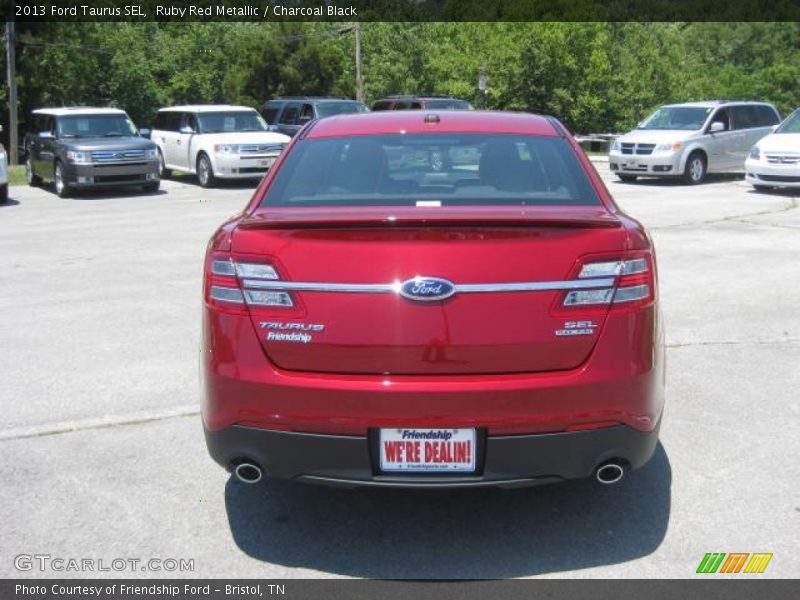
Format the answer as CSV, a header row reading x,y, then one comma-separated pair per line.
x,y
432,299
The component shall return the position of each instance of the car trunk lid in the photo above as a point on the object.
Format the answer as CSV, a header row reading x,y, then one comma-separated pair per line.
x,y
509,268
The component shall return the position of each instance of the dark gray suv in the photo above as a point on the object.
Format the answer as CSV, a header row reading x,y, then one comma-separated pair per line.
x,y
421,103
84,147
287,114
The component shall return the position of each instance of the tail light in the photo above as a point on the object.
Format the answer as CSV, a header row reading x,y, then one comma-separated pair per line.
x,y
634,287
226,284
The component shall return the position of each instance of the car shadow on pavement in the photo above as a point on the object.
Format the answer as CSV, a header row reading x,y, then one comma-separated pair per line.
x,y
456,534
677,182
227,184
8,202
106,193
779,192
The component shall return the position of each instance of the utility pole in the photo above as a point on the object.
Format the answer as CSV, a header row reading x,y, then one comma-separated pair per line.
x,y
359,81
12,87
483,87
356,29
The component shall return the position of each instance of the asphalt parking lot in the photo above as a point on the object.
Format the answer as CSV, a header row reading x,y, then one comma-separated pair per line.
x,y
103,455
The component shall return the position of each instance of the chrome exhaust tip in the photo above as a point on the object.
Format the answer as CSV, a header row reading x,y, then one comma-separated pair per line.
x,y
248,472
609,473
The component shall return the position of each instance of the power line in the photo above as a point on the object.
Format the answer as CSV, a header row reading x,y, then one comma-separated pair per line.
x,y
106,50
70,46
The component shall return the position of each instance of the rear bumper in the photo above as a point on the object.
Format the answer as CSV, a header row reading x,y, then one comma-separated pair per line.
x,y
506,461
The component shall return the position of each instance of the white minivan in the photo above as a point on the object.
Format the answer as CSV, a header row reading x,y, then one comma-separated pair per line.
x,y
774,162
215,142
692,139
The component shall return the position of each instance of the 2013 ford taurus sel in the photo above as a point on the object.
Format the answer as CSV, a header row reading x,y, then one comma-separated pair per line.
x,y
432,299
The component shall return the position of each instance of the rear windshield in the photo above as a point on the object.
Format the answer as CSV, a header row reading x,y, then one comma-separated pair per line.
x,y
328,109
431,170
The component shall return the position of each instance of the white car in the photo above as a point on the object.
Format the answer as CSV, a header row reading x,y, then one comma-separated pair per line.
x,y
692,139
215,142
3,172
774,162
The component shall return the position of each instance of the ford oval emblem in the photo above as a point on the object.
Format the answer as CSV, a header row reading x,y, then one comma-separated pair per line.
x,y
427,289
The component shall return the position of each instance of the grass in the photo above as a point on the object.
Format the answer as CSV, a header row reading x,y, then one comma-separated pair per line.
x,y
16,175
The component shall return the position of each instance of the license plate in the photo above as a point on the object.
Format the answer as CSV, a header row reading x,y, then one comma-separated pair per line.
x,y
631,163
265,162
427,450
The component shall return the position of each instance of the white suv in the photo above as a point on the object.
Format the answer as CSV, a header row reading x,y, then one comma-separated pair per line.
x,y
215,142
692,139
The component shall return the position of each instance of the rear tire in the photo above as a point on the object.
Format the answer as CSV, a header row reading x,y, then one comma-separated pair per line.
x,y
163,171
761,188
696,169
151,187
60,186
205,172
3,192
33,180
627,178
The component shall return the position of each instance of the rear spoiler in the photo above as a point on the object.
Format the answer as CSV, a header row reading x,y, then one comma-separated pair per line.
x,y
306,219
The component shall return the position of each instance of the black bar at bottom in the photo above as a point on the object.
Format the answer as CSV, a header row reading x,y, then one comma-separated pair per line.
x,y
707,587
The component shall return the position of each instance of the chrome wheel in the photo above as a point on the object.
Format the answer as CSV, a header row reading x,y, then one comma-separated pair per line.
x,y
29,176
163,171
58,181
695,169
205,174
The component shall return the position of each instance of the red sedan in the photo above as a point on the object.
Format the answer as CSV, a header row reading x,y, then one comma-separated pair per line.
x,y
432,299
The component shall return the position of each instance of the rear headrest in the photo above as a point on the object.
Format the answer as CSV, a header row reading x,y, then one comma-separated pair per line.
x,y
502,167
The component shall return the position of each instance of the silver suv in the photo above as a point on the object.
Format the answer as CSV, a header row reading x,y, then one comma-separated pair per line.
x,y
692,139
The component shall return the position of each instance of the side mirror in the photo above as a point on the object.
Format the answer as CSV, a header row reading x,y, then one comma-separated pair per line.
x,y
186,129
145,133
46,135
716,127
